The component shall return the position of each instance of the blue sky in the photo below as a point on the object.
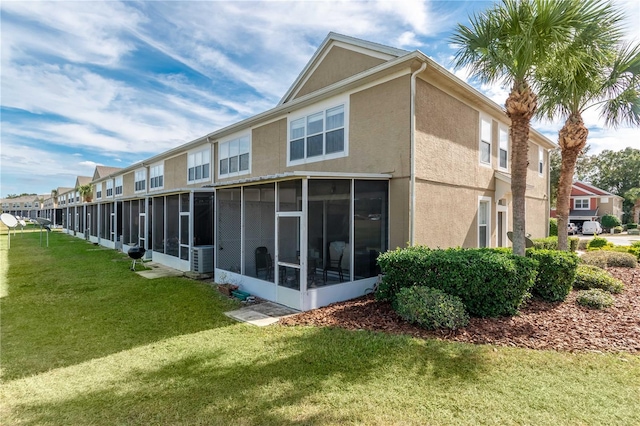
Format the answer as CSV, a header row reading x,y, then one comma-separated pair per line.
x,y
112,83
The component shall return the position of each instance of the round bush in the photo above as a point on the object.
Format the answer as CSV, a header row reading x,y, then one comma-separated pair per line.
x,y
595,298
591,277
604,258
610,221
431,308
597,242
556,273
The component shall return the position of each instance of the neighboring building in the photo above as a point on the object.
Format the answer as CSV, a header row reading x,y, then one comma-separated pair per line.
x,y
591,203
25,207
371,147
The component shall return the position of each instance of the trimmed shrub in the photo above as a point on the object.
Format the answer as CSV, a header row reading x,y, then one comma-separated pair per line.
x,y
609,256
610,221
589,276
549,243
632,226
635,251
553,227
595,298
556,273
597,242
617,230
582,244
431,308
489,283
573,243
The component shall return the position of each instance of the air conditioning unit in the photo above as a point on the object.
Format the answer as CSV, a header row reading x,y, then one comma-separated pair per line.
x,y
202,259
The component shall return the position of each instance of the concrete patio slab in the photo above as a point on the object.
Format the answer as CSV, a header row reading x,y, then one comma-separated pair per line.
x,y
261,314
159,271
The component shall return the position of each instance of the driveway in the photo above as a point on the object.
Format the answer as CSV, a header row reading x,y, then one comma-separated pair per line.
x,y
617,239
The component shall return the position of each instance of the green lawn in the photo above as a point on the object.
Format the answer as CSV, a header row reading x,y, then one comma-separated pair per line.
x,y
86,341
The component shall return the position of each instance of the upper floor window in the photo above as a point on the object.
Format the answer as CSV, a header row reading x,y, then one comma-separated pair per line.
x,y
119,185
581,204
503,154
485,140
140,180
99,191
540,161
156,176
234,156
318,136
110,188
199,165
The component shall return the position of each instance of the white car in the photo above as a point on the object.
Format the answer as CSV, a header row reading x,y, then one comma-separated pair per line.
x,y
572,229
591,227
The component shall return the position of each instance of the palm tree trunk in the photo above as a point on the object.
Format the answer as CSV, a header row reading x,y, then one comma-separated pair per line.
x,y
521,105
571,138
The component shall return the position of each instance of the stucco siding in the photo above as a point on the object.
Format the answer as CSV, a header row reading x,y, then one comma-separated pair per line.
x,y
175,172
128,184
537,217
338,64
398,213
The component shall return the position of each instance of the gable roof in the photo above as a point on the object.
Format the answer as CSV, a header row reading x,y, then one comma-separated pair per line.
x,y
374,50
590,189
83,180
104,171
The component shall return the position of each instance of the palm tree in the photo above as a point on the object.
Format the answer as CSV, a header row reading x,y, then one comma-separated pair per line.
x,y
86,192
506,44
593,70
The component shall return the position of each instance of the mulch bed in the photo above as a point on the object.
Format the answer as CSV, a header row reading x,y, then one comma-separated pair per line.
x,y
562,326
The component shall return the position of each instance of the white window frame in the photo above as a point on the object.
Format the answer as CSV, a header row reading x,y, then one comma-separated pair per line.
x,y
485,201
484,139
118,186
196,160
321,108
99,191
109,188
503,145
156,174
540,161
235,146
140,173
581,200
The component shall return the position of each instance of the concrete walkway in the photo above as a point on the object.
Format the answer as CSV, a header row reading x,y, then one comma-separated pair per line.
x,y
261,314
158,271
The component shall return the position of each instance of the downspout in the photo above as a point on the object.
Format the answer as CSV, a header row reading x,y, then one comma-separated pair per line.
x,y
412,179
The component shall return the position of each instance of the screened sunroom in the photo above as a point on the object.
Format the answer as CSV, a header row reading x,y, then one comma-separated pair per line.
x,y
303,241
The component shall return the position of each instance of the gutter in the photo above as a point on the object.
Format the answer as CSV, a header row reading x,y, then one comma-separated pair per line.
x,y
412,180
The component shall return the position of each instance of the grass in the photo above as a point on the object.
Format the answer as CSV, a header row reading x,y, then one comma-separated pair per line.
x,y
86,341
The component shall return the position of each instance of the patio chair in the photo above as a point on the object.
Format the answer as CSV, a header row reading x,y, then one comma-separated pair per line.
x,y
264,262
334,259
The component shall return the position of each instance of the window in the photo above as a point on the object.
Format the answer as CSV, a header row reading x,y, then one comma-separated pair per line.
x,y
540,161
110,188
156,176
485,140
318,136
140,180
234,156
504,148
99,191
581,204
484,213
198,164
119,185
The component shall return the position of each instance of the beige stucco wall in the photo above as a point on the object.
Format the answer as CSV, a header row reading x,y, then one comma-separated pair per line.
x,y
378,137
398,213
338,64
450,178
175,172
128,184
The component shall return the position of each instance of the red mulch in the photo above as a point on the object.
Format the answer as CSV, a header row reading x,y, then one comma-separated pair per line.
x,y
564,326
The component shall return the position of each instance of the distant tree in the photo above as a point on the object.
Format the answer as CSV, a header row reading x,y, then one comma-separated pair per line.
x,y
610,221
632,198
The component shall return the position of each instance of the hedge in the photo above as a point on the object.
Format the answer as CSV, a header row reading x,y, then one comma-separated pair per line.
x,y
551,243
489,283
556,273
